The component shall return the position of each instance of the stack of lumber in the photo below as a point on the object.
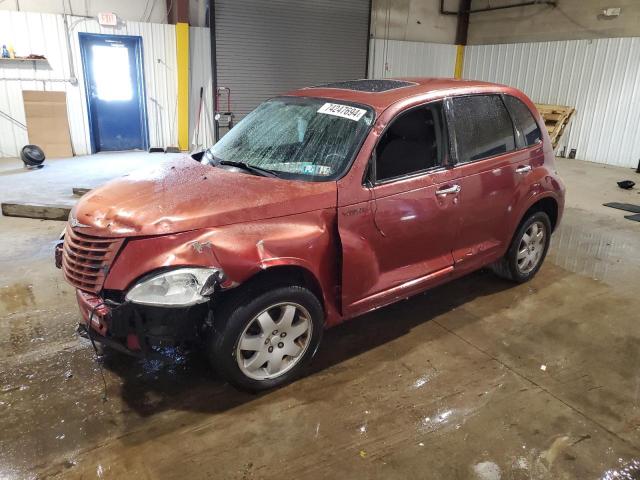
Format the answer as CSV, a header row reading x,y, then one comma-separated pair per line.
x,y
556,118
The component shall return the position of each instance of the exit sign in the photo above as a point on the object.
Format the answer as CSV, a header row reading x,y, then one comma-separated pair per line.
x,y
107,19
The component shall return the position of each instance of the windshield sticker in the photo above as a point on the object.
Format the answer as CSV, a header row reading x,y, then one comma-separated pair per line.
x,y
311,169
344,111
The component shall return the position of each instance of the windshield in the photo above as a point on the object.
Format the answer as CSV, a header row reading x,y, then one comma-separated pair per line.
x,y
296,137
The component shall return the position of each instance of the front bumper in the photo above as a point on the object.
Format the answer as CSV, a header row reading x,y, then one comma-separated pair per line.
x,y
138,329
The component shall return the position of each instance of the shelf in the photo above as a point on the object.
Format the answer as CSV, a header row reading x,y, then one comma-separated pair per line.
x,y
24,60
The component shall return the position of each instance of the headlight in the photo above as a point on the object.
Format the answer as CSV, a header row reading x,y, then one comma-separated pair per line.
x,y
181,287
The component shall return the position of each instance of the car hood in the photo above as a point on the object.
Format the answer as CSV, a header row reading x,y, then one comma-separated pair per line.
x,y
183,194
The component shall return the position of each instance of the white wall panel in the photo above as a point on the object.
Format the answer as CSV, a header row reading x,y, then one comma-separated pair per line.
x,y
45,34
600,78
400,58
153,11
200,76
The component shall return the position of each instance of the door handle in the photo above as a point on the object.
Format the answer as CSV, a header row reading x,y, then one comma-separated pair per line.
x,y
523,169
447,191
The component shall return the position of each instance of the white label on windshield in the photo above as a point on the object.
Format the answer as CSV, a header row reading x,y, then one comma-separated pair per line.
x,y
344,111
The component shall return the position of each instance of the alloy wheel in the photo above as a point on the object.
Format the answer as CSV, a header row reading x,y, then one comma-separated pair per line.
x,y
531,248
274,341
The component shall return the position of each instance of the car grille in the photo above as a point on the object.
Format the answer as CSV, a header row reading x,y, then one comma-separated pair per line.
x,y
86,259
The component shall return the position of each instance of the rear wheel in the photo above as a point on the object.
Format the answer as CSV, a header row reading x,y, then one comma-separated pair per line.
x,y
527,251
266,340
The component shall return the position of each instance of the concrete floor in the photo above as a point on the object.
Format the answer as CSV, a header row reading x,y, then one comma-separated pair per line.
x,y
52,184
447,385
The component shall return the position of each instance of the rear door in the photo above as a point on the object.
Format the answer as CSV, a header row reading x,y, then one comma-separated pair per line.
x,y
400,240
492,166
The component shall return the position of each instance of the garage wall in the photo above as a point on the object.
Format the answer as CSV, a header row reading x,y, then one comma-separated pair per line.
x,y
200,76
44,34
413,20
569,20
601,78
143,11
398,58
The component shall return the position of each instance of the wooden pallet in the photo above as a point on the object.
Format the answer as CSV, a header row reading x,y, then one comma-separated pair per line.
x,y
556,118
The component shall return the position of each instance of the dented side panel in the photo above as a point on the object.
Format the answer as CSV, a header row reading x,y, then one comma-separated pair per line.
x,y
141,256
306,240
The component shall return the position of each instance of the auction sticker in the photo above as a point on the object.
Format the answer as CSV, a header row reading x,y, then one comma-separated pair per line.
x,y
344,111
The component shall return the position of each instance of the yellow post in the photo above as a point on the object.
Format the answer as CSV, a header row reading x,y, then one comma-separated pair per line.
x,y
459,61
182,55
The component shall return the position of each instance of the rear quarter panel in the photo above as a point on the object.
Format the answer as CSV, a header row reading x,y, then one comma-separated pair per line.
x,y
544,181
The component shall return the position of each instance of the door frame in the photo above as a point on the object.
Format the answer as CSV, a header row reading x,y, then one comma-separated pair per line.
x,y
140,86
366,209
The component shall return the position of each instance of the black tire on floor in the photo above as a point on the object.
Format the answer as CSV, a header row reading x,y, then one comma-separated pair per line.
x,y
507,266
234,316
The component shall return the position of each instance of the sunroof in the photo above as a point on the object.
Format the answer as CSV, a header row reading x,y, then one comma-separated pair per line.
x,y
368,85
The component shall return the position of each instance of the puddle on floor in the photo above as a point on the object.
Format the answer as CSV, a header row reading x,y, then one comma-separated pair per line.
x,y
17,296
597,249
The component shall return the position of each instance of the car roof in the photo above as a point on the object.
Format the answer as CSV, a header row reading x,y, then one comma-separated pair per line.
x,y
382,93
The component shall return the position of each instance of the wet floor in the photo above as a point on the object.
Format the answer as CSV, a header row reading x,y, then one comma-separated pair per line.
x,y
477,379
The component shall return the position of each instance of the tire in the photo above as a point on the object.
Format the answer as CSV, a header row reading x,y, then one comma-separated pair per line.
x,y
244,320
513,266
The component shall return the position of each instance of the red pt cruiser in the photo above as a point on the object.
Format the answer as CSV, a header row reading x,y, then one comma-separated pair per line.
x,y
320,205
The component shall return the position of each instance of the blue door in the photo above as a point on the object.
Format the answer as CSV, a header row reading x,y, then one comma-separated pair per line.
x,y
114,83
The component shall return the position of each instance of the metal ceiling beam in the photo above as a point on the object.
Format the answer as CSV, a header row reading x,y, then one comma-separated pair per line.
x,y
462,28
501,7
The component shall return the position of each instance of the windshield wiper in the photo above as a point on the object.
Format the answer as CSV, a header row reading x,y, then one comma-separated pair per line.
x,y
250,168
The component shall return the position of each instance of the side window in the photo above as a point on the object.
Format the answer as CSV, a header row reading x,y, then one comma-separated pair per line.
x,y
482,127
524,121
414,142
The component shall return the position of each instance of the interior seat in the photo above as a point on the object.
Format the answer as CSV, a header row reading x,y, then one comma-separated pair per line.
x,y
410,147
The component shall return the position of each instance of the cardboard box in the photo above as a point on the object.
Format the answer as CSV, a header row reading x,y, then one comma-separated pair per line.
x,y
47,122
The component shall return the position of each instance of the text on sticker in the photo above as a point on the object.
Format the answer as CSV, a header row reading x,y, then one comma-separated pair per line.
x,y
344,111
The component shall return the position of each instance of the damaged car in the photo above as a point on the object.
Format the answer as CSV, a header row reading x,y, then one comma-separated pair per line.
x,y
320,205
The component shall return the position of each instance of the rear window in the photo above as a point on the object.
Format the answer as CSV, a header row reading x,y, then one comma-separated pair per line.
x,y
524,121
482,127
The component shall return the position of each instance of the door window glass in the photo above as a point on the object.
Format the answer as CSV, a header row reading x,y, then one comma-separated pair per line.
x,y
414,142
523,120
111,72
482,126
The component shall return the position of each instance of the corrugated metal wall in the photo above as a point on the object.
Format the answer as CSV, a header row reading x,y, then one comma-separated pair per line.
x,y
45,34
600,78
200,76
399,58
267,48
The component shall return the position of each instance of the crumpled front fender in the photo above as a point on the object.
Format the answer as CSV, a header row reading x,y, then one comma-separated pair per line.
x,y
307,240
140,256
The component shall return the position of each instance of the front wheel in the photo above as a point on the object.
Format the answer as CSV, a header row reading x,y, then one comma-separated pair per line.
x,y
267,340
527,251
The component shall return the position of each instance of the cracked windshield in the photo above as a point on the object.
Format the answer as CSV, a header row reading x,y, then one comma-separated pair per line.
x,y
299,138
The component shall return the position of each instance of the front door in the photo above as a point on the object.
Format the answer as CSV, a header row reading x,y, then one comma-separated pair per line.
x,y
114,85
399,241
